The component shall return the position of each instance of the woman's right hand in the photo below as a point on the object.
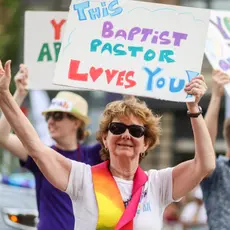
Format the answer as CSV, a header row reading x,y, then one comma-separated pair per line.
x,y
21,81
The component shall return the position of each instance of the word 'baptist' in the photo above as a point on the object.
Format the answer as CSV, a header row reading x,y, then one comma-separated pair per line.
x,y
143,35
101,11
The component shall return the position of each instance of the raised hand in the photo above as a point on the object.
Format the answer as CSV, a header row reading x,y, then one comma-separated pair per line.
x,y
196,87
219,79
21,81
5,76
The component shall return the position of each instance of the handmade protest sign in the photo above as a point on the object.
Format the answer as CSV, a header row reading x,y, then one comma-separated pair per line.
x,y
42,43
217,48
132,47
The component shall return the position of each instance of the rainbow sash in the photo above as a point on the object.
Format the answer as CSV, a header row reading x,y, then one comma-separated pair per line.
x,y
111,210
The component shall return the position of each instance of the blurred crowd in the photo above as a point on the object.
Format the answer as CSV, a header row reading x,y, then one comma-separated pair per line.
x,y
187,214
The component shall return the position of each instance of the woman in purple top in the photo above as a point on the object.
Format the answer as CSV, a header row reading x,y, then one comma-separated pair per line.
x,y
66,118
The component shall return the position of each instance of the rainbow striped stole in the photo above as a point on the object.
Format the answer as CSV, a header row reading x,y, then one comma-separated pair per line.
x,y
111,210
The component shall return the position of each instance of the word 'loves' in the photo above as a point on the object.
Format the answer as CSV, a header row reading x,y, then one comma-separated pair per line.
x,y
123,78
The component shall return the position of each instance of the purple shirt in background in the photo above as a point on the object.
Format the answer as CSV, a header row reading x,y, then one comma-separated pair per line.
x,y
55,207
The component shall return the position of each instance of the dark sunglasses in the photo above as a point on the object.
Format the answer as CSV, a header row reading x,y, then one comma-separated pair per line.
x,y
58,116
118,128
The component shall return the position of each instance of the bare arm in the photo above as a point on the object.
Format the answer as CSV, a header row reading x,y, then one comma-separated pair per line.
x,y
54,166
7,140
188,174
219,79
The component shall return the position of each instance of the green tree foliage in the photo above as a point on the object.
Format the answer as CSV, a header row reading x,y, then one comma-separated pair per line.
x,y
10,32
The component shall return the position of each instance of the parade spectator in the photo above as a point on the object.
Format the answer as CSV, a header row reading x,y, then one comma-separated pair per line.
x,y
216,187
193,215
67,118
118,194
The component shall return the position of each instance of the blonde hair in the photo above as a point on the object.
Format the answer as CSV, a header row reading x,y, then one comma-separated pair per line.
x,y
138,109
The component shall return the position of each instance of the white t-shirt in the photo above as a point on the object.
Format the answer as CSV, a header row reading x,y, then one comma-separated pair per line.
x,y
125,188
156,195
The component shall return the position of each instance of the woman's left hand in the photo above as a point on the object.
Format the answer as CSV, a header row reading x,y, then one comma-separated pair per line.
x,y
21,81
196,87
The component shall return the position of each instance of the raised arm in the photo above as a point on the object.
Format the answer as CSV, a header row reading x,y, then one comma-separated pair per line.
x,y
219,79
8,140
54,166
189,174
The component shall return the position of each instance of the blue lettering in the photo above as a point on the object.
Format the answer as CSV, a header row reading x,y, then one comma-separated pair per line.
x,y
118,51
147,207
105,11
115,11
101,11
174,84
191,75
160,83
94,44
95,13
80,8
179,87
149,55
107,47
164,56
151,75
134,50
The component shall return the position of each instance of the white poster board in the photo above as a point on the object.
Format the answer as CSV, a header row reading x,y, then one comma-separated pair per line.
x,y
132,47
42,43
217,48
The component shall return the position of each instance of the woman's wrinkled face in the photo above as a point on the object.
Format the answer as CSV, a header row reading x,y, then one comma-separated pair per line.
x,y
125,144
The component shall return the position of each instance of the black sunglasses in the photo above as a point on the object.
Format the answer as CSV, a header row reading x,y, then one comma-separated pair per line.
x,y
118,128
58,116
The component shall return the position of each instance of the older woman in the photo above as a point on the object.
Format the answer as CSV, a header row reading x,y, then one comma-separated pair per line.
x,y
66,119
118,194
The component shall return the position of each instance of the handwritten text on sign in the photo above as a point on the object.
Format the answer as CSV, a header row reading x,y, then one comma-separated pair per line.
x,y
107,47
218,41
45,52
43,35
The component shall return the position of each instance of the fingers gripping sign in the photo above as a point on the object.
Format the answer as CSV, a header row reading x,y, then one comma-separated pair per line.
x,y
5,75
196,87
